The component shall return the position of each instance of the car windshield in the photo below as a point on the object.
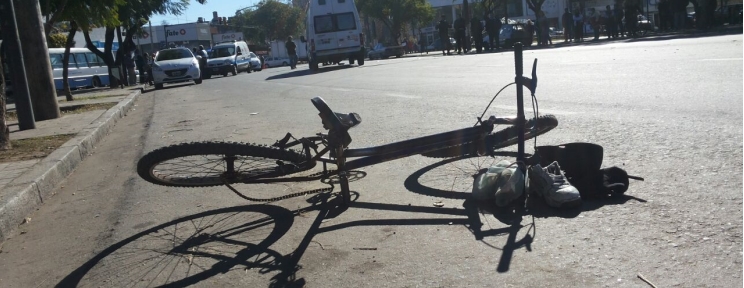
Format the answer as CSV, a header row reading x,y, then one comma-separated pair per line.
x,y
223,52
173,54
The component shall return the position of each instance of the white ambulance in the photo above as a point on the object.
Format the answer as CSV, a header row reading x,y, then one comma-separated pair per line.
x,y
333,33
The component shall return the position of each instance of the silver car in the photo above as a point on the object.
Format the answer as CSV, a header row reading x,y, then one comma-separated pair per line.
x,y
175,65
255,63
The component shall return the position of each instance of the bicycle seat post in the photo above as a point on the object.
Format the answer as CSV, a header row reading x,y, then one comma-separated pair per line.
x,y
520,104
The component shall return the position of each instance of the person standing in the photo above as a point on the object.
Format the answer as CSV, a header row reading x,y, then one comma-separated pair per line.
x,y
593,18
476,30
129,65
150,61
567,22
444,35
619,15
139,61
292,52
202,60
578,26
493,27
632,9
610,23
459,26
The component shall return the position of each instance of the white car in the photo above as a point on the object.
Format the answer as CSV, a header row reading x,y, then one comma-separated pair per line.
x,y
175,65
276,61
255,63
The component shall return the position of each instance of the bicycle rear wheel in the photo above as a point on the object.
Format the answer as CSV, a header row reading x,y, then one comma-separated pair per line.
x,y
500,139
204,164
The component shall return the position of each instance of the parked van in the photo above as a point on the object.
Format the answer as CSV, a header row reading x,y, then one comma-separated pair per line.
x,y
333,33
85,68
232,57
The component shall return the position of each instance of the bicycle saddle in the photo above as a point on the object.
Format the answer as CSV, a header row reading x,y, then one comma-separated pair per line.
x,y
335,121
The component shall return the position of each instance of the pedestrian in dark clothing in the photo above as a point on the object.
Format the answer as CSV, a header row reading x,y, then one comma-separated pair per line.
x,y
476,30
567,22
423,45
610,23
619,15
578,26
493,27
530,27
632,9
139,61
149,60
444,35
292,52
460,34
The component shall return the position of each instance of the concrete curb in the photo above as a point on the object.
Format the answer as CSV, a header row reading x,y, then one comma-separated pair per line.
x,y
25,193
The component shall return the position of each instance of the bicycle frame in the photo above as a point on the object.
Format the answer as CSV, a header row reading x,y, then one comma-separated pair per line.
x,y
388,152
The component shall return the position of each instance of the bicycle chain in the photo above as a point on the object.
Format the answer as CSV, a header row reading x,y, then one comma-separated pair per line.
x,y
274,199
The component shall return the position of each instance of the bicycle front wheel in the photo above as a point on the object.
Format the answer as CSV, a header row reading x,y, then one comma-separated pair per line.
x,y
500,139
204,164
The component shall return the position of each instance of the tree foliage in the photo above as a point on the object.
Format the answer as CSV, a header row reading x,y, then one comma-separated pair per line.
x,y
270,20
395,14
57,40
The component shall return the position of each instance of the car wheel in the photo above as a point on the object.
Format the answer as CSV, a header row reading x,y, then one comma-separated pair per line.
x,y
234,70
249,69
96,82
197,81
158,86
284,64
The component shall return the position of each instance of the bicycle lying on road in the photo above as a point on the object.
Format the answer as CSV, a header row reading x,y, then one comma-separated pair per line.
x,y
224,163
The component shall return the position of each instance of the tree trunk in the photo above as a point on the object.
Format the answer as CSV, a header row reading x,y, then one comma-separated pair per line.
x,y
66,61
52,20
36,54
4,131
119,56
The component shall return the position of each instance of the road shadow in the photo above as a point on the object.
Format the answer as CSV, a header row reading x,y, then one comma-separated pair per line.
x,y
306,72
191,249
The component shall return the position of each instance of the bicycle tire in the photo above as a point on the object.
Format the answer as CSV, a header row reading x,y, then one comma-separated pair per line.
x,y
500,139
203,164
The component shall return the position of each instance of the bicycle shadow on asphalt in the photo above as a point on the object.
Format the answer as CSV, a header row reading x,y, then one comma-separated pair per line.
x,y
197,247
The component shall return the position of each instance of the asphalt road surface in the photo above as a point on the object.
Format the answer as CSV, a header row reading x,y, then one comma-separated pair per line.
x,y
667,110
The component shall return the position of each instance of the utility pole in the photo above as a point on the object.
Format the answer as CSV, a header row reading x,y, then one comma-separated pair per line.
x,y
152,47
13,50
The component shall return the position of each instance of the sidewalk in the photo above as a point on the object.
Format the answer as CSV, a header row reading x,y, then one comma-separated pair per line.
x,y
588,40
24,185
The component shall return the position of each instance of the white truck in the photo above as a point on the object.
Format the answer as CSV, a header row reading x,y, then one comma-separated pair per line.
x,y
333,33
279,50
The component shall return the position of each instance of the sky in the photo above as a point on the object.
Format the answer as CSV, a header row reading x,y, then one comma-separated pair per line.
x,y
225,8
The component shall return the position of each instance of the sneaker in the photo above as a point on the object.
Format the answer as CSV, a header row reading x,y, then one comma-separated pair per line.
x,y
550,184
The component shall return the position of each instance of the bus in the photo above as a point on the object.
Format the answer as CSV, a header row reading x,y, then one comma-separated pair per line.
x,y
85,69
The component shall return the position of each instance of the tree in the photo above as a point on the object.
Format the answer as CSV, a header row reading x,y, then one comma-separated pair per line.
x,y
270,20
535,5
395,14
4,131
57,40
39,69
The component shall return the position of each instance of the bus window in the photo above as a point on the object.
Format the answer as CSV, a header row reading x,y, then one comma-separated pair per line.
x,y
80,58
94,60
56,60
71,61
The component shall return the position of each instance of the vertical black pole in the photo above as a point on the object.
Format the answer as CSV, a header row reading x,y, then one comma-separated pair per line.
x,y
12,43
520,103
